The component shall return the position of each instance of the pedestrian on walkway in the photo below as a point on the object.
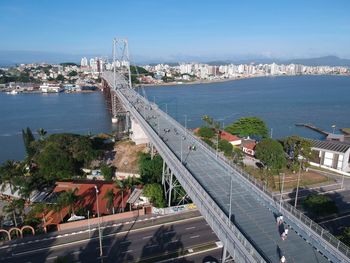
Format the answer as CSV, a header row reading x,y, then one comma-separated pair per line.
x,y
284,234
279,220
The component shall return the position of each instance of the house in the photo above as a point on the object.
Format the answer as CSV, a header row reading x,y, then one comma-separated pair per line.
x,y
248,146
88,196
331,154
233,139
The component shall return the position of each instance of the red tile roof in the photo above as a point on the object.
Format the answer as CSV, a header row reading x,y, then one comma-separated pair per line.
x,y
87,193
228,136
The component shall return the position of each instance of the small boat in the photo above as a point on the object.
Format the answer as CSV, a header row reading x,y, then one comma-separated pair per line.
x,y
13,92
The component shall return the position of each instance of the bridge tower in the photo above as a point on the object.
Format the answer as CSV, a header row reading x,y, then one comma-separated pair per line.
x,y
126,124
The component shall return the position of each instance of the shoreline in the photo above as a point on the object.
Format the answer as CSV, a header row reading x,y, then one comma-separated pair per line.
x,y
196,82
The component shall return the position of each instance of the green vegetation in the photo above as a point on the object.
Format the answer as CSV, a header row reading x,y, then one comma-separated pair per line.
x,y
60,77
226,147
319,205
271,154
210,122
155,193
345,236
28,139
68,198
150,170
248,126
73,73
110,196
69,64
238,156
206,132
107,172
295,146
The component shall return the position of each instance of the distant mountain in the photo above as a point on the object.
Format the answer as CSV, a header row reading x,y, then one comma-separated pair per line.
x,y
11,58
321,61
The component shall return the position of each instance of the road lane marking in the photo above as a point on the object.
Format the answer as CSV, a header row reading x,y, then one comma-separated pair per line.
x,y
109,235
195,236
146,237
192,227
128,251
54,257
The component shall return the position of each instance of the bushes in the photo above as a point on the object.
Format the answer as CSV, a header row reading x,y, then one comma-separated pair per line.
x,y
155,193
206,132
226,147
319,205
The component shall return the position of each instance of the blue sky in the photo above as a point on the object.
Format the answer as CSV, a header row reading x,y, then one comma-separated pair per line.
x,y
176,29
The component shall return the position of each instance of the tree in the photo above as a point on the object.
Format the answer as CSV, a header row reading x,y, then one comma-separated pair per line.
x,y
28,138
345,236
295,146
211,122
150,169
271,154
110,196
68,198
13,208
155,193
238,156
226,147
122,185
60,77
107,172
206,132
73,73
319,205
248,126
41,133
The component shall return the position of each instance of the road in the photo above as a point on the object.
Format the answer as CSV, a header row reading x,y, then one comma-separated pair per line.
x,y
125,243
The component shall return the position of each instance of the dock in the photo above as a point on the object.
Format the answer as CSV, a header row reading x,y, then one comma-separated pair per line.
x,y
312,127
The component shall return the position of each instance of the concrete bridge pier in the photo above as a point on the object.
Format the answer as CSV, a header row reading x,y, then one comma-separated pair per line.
x,y
137,135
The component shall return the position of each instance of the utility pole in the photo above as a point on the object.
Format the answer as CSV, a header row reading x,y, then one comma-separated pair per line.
x,y
99,226
281,197
298,183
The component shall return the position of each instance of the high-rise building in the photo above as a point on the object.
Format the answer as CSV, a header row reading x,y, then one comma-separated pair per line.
x,y
84,62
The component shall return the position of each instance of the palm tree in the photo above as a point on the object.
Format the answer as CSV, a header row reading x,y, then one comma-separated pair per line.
x,y
125,185
42,133
69,198
110,195
14,207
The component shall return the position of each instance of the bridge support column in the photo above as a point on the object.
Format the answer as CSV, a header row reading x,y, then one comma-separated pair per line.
x,y
137,134
172,187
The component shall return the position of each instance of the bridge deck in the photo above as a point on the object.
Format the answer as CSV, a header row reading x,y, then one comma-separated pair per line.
x,y
250,214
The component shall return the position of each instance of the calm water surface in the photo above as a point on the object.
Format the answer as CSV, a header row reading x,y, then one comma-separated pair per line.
x,y
280,101
78,113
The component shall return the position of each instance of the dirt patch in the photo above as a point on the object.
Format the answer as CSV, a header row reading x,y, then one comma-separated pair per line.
x,y
306,179
127,156
310,178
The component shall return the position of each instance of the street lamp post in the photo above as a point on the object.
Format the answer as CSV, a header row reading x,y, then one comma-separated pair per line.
x,y
298,183
98,221
281,198
88,214
230,211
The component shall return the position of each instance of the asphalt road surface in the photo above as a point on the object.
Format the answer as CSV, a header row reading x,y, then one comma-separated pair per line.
x,y
120,244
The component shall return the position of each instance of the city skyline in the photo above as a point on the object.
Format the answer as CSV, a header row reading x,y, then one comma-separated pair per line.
x,y
177,30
